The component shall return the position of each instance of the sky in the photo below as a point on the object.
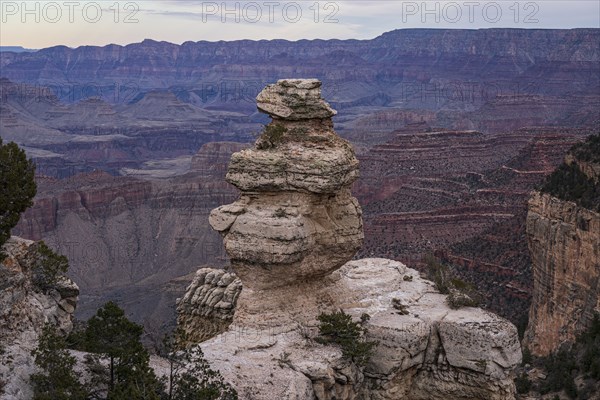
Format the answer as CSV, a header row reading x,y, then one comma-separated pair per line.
x,y
40,24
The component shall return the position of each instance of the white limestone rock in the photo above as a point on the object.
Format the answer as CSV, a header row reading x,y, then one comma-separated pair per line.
x,y
208,305
432,352
24,310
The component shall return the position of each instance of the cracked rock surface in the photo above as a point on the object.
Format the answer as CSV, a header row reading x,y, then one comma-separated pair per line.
x,y
24,310
427,352
208,305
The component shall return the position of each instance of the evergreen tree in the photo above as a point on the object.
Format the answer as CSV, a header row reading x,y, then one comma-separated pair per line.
x,y
57,379
339,328
17,187
114,338
49,267
190,375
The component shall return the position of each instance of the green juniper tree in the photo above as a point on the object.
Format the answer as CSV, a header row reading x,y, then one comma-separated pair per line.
x,y
338,328
49,267
17,187
190,375
57,379
115,339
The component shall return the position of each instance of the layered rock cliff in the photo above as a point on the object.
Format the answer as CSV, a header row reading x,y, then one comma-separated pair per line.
x,y
402,55
564,241
25,308
290,237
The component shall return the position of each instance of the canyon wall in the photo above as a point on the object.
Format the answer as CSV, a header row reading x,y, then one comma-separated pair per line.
x,y
130,239
563,229
463,196
437,117
564,241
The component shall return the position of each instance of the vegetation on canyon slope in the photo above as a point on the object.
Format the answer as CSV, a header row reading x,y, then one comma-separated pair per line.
x,y
460,293
57,379
118,366
588,151
574,369
569,183
338,328
49,268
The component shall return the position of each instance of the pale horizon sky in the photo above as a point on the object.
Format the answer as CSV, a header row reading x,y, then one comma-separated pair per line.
x,y
40,24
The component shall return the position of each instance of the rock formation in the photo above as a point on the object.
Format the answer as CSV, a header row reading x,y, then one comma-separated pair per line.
x,y
290,237
296,220
24,310
208,305
564,241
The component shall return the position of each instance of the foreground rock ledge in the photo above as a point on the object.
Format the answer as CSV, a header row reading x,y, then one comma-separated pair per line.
x,y
432,352
290,238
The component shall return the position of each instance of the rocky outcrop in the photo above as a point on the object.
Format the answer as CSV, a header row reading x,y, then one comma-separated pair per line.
x,y
207,308
296,219
290,237
564,241
24,310
426,351
294,100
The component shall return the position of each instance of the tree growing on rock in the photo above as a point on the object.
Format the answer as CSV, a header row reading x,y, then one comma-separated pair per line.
x,y
57,379
190,375
339,328
49,267
17,187
115,339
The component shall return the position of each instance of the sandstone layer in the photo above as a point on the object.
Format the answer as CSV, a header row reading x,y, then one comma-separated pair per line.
x,y
564,241
296,219
25,308
290,237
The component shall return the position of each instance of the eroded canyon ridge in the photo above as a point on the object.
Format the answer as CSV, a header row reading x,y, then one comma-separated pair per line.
x,y
290,237
453,129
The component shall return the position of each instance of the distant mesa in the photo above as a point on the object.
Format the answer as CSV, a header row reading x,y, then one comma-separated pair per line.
x,y
16,49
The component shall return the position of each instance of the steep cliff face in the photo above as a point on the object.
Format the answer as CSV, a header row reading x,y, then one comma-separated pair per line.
x,y
290,237
563,228
564,241
24,310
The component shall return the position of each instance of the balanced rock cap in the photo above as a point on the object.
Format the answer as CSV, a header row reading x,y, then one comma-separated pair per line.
x,y
294,99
